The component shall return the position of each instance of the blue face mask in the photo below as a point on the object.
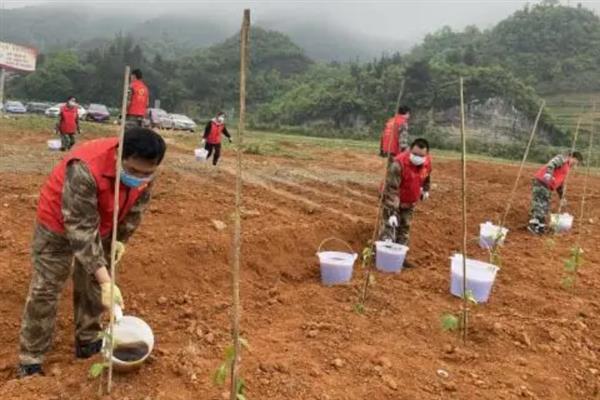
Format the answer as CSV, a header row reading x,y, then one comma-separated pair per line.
x,y
133,181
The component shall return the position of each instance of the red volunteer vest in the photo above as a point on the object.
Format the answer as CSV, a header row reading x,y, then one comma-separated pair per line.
x,y
214,136
389,138
100,158
413,178
139,99
559,175
68,122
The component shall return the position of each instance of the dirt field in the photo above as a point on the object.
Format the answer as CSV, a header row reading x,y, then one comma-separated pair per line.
x,y
534,339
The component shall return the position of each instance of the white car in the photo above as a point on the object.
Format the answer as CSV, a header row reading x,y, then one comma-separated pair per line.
x,y
55,110
182,122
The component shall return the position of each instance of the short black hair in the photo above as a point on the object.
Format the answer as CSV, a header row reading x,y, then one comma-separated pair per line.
x,y
70,97
421,143
144,143
577,155
403,110
137,73
220,113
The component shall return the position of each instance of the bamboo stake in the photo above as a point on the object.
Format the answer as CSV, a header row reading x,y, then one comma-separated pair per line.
x,y
587,174
237,242
464,212
514,189
560,205
388,161
113,248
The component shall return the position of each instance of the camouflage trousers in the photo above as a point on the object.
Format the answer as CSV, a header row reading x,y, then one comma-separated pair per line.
x,y
52,261
67,141
540,201
400,234
132,121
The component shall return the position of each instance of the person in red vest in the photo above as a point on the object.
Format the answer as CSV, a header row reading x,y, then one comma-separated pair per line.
x,y
549,178
72,236
394,138
68,123
212,136
137,101
407,183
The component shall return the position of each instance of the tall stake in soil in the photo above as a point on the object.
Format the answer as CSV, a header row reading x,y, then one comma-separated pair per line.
x,y
514,189
575,136
463,139
237,235
388,160
113,248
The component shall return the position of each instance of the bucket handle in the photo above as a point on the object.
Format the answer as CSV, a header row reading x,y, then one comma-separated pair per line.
x,y
332,238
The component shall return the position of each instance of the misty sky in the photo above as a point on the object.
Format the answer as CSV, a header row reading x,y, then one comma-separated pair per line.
x,y
409,19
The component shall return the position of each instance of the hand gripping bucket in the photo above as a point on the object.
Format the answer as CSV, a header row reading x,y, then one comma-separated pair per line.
x,y
54,144
480,278
133,341
336,266
561,222
491,235
200,154
389,256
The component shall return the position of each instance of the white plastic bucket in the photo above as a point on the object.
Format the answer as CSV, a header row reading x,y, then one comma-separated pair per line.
x,y
200,154
389,256
54,144
480,278
490,235
130,330
336,266
561,222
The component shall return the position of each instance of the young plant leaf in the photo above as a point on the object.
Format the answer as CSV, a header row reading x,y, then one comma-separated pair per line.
x,y
570,265
450,322
568,282
96,370
220,375
244,344
240,396
359,308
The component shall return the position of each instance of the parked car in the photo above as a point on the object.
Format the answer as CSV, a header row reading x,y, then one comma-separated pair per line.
x,y
182,122
97,113
37,107
159,118
15,107
55,110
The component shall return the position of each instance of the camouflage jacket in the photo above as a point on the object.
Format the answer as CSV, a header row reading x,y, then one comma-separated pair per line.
x,y
391,199
82,220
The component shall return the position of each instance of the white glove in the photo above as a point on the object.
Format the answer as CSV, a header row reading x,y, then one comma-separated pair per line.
x,y
424,196
563,202
202,143
548,177
393,221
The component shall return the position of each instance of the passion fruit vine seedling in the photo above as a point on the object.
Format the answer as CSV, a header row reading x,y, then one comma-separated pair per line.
x,y
98,368
367,260
571,266
453,322
221,373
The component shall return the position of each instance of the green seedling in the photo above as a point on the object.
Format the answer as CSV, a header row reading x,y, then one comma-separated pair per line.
x,y
359,308
571,267
224,369
549,243
450,322
98,368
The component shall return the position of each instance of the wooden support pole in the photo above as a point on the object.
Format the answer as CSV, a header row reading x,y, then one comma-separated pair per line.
x,y
514,189
465,310
588,160
113,240
575,136
237,235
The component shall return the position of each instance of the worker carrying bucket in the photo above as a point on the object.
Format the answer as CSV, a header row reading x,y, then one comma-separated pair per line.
x,y
407,183
551,177
212,137
74,223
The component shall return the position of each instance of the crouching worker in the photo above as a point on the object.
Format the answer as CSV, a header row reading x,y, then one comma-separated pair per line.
x,y
551,177
74,225
212,136
407,183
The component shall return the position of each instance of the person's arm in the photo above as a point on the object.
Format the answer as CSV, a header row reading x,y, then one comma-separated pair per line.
x,y
206,130
561,191
77,122
403,136
226,133
555,163
392,185
427,183
81,218
129,96
133,218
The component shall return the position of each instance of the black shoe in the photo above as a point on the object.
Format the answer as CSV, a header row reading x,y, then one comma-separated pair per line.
x,y
86,350
29,370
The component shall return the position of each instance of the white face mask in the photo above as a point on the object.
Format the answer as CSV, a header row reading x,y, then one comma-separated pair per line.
x,y
417,160
71,103
221,119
